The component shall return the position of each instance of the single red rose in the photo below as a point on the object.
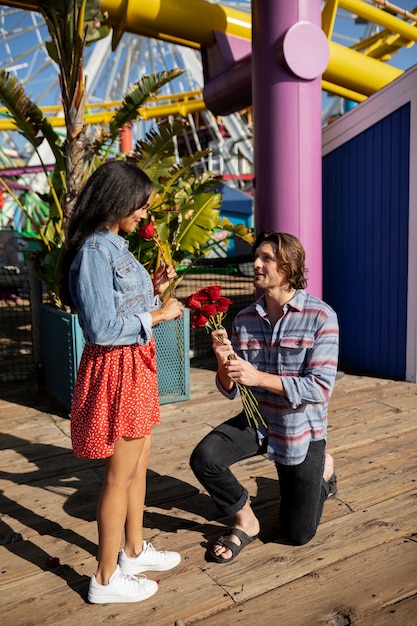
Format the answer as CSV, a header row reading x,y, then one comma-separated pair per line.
x,y
209,308
213,292
202,296
223,304
147,231
193,303
199,320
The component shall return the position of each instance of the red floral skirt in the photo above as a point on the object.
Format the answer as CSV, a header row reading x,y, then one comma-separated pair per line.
x,y
115,396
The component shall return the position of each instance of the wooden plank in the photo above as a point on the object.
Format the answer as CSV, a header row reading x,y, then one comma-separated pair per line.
x,y
29,463
264,566
47,506
403,613
362,433
352,589
35,428
188,595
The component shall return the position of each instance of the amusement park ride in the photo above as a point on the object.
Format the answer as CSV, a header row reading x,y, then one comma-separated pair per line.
x,y
158,34
222,46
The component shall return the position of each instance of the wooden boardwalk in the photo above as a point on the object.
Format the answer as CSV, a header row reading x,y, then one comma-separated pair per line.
x,y
361,568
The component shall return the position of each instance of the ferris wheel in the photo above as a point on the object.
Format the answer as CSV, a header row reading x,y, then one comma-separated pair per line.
x,y
109,75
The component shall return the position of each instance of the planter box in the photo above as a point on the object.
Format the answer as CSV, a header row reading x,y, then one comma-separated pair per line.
x,y
173,359
63,343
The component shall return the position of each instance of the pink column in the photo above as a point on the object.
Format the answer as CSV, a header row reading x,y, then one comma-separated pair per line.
x,y
290,52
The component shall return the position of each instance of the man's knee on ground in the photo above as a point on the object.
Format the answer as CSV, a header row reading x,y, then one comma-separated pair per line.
x,y
301,536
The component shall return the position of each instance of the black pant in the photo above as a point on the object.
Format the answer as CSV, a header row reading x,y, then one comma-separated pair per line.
x,y
303,489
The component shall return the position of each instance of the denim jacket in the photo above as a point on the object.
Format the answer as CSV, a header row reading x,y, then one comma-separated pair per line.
x,y
112,292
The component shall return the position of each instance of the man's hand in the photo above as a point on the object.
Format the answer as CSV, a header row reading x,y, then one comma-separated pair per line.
x,y
222,345
243,372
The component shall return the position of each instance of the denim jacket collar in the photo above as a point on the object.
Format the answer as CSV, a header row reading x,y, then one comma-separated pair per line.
x,y
120,242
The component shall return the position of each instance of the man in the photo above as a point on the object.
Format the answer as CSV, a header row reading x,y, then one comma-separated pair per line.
x,y
285,348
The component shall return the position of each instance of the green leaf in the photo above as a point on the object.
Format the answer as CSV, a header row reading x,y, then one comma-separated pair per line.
x,y
156,153
27,116
146,88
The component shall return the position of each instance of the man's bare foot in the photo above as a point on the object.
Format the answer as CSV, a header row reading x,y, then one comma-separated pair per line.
x,y
328,467
246,521
329,475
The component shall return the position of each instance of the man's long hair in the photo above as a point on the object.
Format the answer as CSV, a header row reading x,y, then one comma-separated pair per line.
x,y
289,253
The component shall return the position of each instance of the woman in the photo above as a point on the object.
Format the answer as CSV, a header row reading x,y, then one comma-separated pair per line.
x,y
115,401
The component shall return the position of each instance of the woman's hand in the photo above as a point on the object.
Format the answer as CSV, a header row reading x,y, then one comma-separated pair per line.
x,y
164,276
171,309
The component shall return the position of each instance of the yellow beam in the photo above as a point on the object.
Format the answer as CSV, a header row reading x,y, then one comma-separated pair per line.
x,y
178,104
194,21
355,71
328,17
337,90
377,16
188,20
384,44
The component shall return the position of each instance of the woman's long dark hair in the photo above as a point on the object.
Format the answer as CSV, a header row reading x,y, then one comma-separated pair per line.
x,y
115,190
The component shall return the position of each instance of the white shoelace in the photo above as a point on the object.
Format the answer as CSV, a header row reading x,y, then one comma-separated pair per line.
x,y
150,548
128,579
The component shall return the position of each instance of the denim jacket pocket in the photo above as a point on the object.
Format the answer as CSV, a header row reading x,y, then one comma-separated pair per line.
x,y
126,275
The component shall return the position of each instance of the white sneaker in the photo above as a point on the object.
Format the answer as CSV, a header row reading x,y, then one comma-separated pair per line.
x,y
148,559
121,588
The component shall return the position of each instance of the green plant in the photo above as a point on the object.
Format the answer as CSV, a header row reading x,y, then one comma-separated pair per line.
x,y
185,212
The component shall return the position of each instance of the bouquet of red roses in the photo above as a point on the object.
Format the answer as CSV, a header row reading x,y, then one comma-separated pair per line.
x,y
209,309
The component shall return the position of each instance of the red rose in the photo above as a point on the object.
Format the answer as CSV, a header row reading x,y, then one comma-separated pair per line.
x,y
201,295
147,231
192,302
213,292
209,308
223,304
199,320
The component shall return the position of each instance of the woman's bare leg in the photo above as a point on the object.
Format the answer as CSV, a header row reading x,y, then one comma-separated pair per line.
x,y
112,508
136,503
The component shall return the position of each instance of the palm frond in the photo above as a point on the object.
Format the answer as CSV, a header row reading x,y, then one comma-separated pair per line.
x,y
197,230
156,153
181,172
146,88
27,116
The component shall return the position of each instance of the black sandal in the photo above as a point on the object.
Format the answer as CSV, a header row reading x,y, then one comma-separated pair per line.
x,y
332,482
233,547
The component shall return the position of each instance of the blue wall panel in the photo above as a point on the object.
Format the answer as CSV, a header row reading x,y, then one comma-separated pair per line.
x,y
365,244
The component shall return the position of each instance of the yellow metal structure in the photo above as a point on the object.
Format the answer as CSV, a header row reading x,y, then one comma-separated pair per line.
x,y
353,73
162,106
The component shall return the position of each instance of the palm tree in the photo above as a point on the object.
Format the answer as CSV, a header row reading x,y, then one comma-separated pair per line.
x,y
186,209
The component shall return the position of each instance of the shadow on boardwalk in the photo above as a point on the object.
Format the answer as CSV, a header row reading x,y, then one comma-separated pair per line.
x,y
361,568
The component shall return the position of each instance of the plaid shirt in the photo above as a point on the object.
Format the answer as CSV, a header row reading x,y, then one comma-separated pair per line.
x,y
302,348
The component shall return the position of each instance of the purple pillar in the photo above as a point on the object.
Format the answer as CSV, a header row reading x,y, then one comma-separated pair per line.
x,y
290,52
